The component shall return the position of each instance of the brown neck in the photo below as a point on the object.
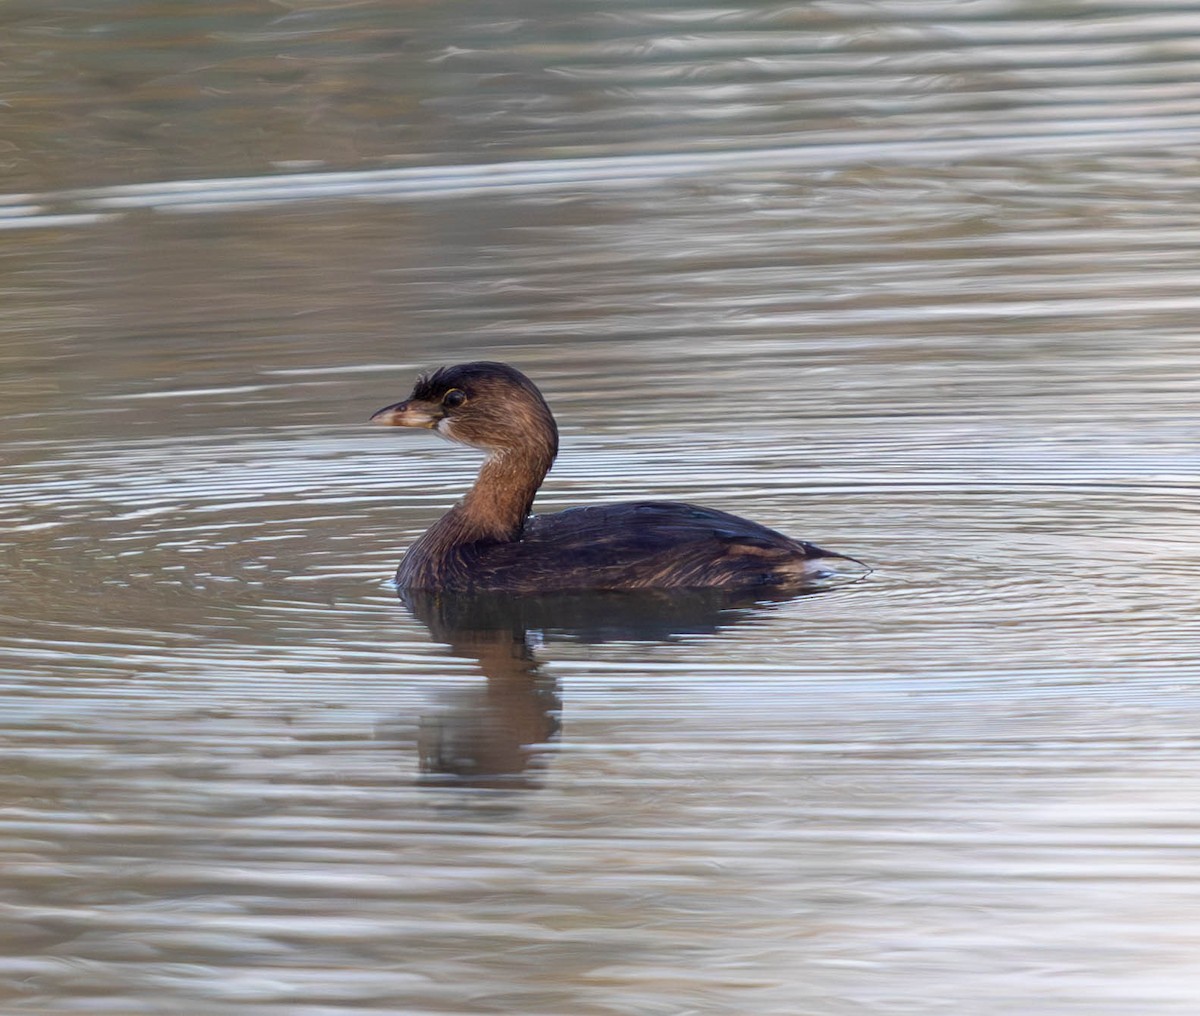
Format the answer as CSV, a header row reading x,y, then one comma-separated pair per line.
x,y
496,507
494,511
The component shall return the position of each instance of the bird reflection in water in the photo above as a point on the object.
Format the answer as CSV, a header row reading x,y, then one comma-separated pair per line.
x,y
496,736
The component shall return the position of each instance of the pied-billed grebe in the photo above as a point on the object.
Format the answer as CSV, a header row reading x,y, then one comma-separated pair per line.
x,y
489,541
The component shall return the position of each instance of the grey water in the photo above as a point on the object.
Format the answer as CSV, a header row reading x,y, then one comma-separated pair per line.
x,y
915,281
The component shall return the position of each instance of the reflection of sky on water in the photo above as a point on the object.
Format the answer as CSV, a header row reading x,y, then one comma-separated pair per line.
x,y
915,282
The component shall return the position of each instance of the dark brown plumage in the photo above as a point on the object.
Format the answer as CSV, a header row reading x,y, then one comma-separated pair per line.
x,y
490,542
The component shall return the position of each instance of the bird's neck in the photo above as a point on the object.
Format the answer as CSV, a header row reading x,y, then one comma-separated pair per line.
x,y
493,511
496,507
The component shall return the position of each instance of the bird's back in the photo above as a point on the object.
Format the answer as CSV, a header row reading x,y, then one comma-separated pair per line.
x,y
644,545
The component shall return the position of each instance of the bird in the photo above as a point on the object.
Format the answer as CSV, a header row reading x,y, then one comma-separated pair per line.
x,y
490,543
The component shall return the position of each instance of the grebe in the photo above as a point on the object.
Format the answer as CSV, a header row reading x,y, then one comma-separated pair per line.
x,y
490,542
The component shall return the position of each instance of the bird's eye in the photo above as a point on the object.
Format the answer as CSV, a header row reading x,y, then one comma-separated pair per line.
x,y
453,398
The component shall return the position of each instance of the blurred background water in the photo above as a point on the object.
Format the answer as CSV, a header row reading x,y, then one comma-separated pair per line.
x,y
917,281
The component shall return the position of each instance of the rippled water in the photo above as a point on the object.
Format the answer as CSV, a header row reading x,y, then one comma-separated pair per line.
x,y
914,281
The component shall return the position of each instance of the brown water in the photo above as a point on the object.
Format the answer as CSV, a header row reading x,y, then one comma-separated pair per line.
x,y
917,282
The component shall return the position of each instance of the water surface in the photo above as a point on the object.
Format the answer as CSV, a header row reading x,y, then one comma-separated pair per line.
x,y
915,282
